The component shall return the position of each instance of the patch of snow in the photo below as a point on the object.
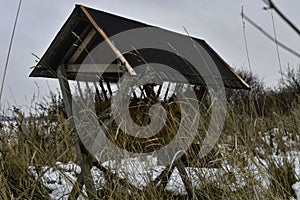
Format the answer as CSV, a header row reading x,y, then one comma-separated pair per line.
x,y
139,171
59,178
296,188
175,183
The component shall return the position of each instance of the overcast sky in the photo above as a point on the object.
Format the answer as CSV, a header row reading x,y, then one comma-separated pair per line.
x,y
217,22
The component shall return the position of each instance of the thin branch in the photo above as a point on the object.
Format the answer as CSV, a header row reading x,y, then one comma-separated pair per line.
x,y
276,42
274,7
270,37
245,39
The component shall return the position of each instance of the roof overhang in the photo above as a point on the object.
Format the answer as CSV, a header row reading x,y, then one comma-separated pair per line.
x,y
86,28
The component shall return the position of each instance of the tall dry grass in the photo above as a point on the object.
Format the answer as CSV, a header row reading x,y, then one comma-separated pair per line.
x,y
37,140
260,132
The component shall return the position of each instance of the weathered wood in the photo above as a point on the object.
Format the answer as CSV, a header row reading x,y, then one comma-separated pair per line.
x,y
98,97
67,98
185,179
109,42
109,88
142,93
103,90
159,90
82,46
134,95
93,68
162,180
150,92
167,91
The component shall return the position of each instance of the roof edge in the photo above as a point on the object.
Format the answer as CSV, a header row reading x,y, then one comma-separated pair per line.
x,y
55,42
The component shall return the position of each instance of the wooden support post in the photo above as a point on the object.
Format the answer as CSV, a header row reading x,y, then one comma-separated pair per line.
x,y
166,94
103,90
162,180
97,97
134,94
142,93
185,179
150,92
85,175
159,90
109,88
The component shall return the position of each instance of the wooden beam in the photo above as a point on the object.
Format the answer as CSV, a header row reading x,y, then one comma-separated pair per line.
x,y
82,46
158,91
103,90
109,88
65,90
93,68
185,179
85,174
167,91
109,42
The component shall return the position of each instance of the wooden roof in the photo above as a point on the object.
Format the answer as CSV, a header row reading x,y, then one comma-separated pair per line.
x,y
86,28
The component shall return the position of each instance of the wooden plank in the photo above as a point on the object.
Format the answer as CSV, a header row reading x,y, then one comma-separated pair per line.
x,y
162,180
65,90
82,46
167,91
103,90
109,88
97,97
158,91
85,174
185,179
93,68
112,46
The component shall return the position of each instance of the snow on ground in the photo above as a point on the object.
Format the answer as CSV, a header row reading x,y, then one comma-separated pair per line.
x,y
60,177
296,188
139,171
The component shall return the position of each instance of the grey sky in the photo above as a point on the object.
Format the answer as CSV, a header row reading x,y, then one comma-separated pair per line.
x,y
217,22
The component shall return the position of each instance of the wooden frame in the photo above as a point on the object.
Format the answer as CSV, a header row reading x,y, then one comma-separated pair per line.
x,y
85,177
112,46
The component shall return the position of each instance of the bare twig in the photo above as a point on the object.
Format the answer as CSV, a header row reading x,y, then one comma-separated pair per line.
x,y
271,5
245,39
270,37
